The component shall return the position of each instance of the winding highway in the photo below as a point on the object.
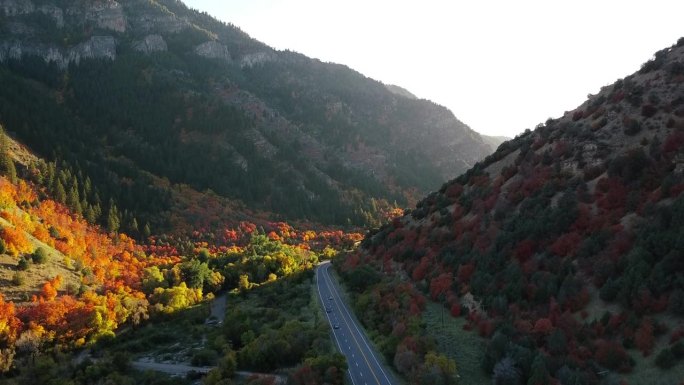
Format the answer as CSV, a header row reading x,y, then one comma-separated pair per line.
x,y
364,366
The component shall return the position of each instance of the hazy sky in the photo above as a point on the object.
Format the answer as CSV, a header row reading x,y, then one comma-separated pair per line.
x,y
500,66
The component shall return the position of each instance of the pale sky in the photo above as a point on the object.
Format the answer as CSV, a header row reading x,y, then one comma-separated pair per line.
x,y
500,66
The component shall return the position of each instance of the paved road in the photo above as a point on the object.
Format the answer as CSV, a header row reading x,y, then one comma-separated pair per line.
x,y
364,367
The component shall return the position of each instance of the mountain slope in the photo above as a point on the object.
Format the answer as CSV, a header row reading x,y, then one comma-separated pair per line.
x,y
565,245
494,141
143,88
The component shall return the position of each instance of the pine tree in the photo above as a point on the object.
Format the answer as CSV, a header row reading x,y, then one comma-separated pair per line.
x,y
113,219
89,214
539,374
59,192
73,200
133,227
50,175
146,230
7,167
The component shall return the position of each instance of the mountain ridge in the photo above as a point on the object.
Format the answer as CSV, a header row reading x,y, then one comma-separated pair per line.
x,y
284,133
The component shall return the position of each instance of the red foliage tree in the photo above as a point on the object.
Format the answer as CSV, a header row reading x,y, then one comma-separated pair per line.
x,y
566,244
441,284
643,337
543,326
465,272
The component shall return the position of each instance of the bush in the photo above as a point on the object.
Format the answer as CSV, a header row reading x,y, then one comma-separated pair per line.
x,y
676,302
204,357
632,127
18,278
678,350
23,264
665,359
40,256
648,110
3,246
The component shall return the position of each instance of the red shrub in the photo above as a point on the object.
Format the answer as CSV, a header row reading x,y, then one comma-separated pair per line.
x,y
543,326
612,355
465,272
673,142
485,328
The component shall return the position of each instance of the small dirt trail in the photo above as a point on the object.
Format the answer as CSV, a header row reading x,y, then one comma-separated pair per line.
x,y
218,308
181,370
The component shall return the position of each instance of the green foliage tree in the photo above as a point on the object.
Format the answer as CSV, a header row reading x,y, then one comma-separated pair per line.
x,y
665,359
40,256
539,374
195,273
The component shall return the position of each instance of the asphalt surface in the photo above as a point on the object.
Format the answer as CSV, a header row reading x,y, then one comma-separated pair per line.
x,y
364,366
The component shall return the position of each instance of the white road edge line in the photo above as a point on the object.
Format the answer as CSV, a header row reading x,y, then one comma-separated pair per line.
x,y
329,322
363,337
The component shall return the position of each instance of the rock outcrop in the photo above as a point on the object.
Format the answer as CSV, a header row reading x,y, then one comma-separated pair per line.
x,y
107,15
151,43
97,47
53,12
153,22
213,50
250,60
16,7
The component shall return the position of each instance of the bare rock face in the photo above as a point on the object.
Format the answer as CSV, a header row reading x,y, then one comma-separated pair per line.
x,y
151,43
253,59
16,28
107,15
159,23
97,47
213,50
16,7
54,12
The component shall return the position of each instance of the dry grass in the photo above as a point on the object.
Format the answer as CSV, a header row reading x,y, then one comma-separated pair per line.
x,y
36,275
466,348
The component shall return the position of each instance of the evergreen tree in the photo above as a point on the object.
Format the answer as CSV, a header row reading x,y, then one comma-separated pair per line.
x,y
113,219
73,200
133,227
60,194
89,214
539,375
146,231
7,167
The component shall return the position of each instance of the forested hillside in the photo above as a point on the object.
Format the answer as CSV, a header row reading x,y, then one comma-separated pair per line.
x,y
136,93
563,248
66,284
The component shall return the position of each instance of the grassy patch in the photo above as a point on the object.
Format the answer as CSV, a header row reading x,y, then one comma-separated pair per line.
x,y
466,348
646,372
173,337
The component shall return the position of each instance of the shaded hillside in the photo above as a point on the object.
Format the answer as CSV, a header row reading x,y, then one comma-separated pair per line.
x,y
494,141
125,92
564,247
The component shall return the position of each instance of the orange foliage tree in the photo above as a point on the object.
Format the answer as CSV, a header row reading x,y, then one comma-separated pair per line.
x,y
16,241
